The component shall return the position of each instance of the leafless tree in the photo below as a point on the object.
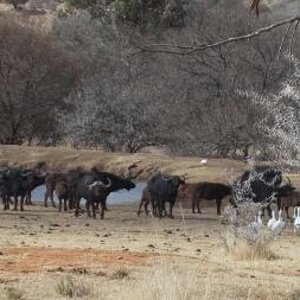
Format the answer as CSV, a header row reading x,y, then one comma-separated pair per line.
x,y
35,74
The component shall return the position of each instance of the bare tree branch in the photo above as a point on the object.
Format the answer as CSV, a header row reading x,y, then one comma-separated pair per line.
x,y
187,50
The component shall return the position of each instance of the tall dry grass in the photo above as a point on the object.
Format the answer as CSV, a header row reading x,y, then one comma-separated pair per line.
x,y
248,245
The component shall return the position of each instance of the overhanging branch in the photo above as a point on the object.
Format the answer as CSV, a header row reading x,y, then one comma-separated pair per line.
x,y
187,50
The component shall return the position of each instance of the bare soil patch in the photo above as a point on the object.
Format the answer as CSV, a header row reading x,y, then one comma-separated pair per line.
x,y
27,259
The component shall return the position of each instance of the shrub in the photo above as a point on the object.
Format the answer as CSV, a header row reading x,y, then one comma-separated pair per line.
x,y
67,287
14,294
120,273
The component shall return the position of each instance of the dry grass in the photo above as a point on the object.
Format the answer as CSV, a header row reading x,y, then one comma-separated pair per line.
x,y
242,249
60,158
186,259
68,287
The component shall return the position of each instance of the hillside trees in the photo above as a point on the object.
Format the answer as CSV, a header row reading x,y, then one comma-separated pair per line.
x,y
191,103
35,74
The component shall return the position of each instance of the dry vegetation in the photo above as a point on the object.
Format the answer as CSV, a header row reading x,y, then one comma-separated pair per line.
x,y
51,255
46,254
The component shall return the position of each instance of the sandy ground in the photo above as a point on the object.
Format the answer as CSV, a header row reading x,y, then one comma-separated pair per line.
x,y
126,257
41,247
61,159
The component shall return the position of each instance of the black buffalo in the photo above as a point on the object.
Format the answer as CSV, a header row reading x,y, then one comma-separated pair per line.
x,y
163,189
96,186
34,178
16,183
261,185
210,191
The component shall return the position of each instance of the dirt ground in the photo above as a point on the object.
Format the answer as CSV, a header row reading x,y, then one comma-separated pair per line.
x,y
44,254
41,247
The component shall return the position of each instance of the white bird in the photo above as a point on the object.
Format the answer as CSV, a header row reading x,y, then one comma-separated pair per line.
x,y
254,225
272,221
297,221
295,213
257,224
203,162
279,224
259,220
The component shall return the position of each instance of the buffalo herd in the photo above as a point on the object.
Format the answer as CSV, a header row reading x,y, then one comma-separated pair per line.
x,y
260,184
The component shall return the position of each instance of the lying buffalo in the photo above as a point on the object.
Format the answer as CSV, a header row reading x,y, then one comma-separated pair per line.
x,y
163,189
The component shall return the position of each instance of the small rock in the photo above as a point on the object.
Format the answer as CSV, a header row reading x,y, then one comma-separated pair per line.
x,y
22,243
150,246
42,226
177,229
1,253
54,225
169,232
97,234
252,276
206,235
21,217
125,250
68,225
87,224
198,250
189,239
119,257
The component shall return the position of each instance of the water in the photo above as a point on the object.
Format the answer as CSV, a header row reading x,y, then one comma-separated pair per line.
x,y
116,198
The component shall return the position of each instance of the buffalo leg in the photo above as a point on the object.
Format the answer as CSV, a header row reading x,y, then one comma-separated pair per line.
x,y
146,203
59,203
171,210
52,199
94,209
219,201
287,211
198,206
77,203
88,204
46,197
160,208
278,202
22,202
193,205
102,209
269,210
140,207
65,204
15,202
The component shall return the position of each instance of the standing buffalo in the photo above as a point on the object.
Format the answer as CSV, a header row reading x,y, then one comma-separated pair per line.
x,y
96,186
163,189
66,179
291,200
261,185
15,183
145,200
210,191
